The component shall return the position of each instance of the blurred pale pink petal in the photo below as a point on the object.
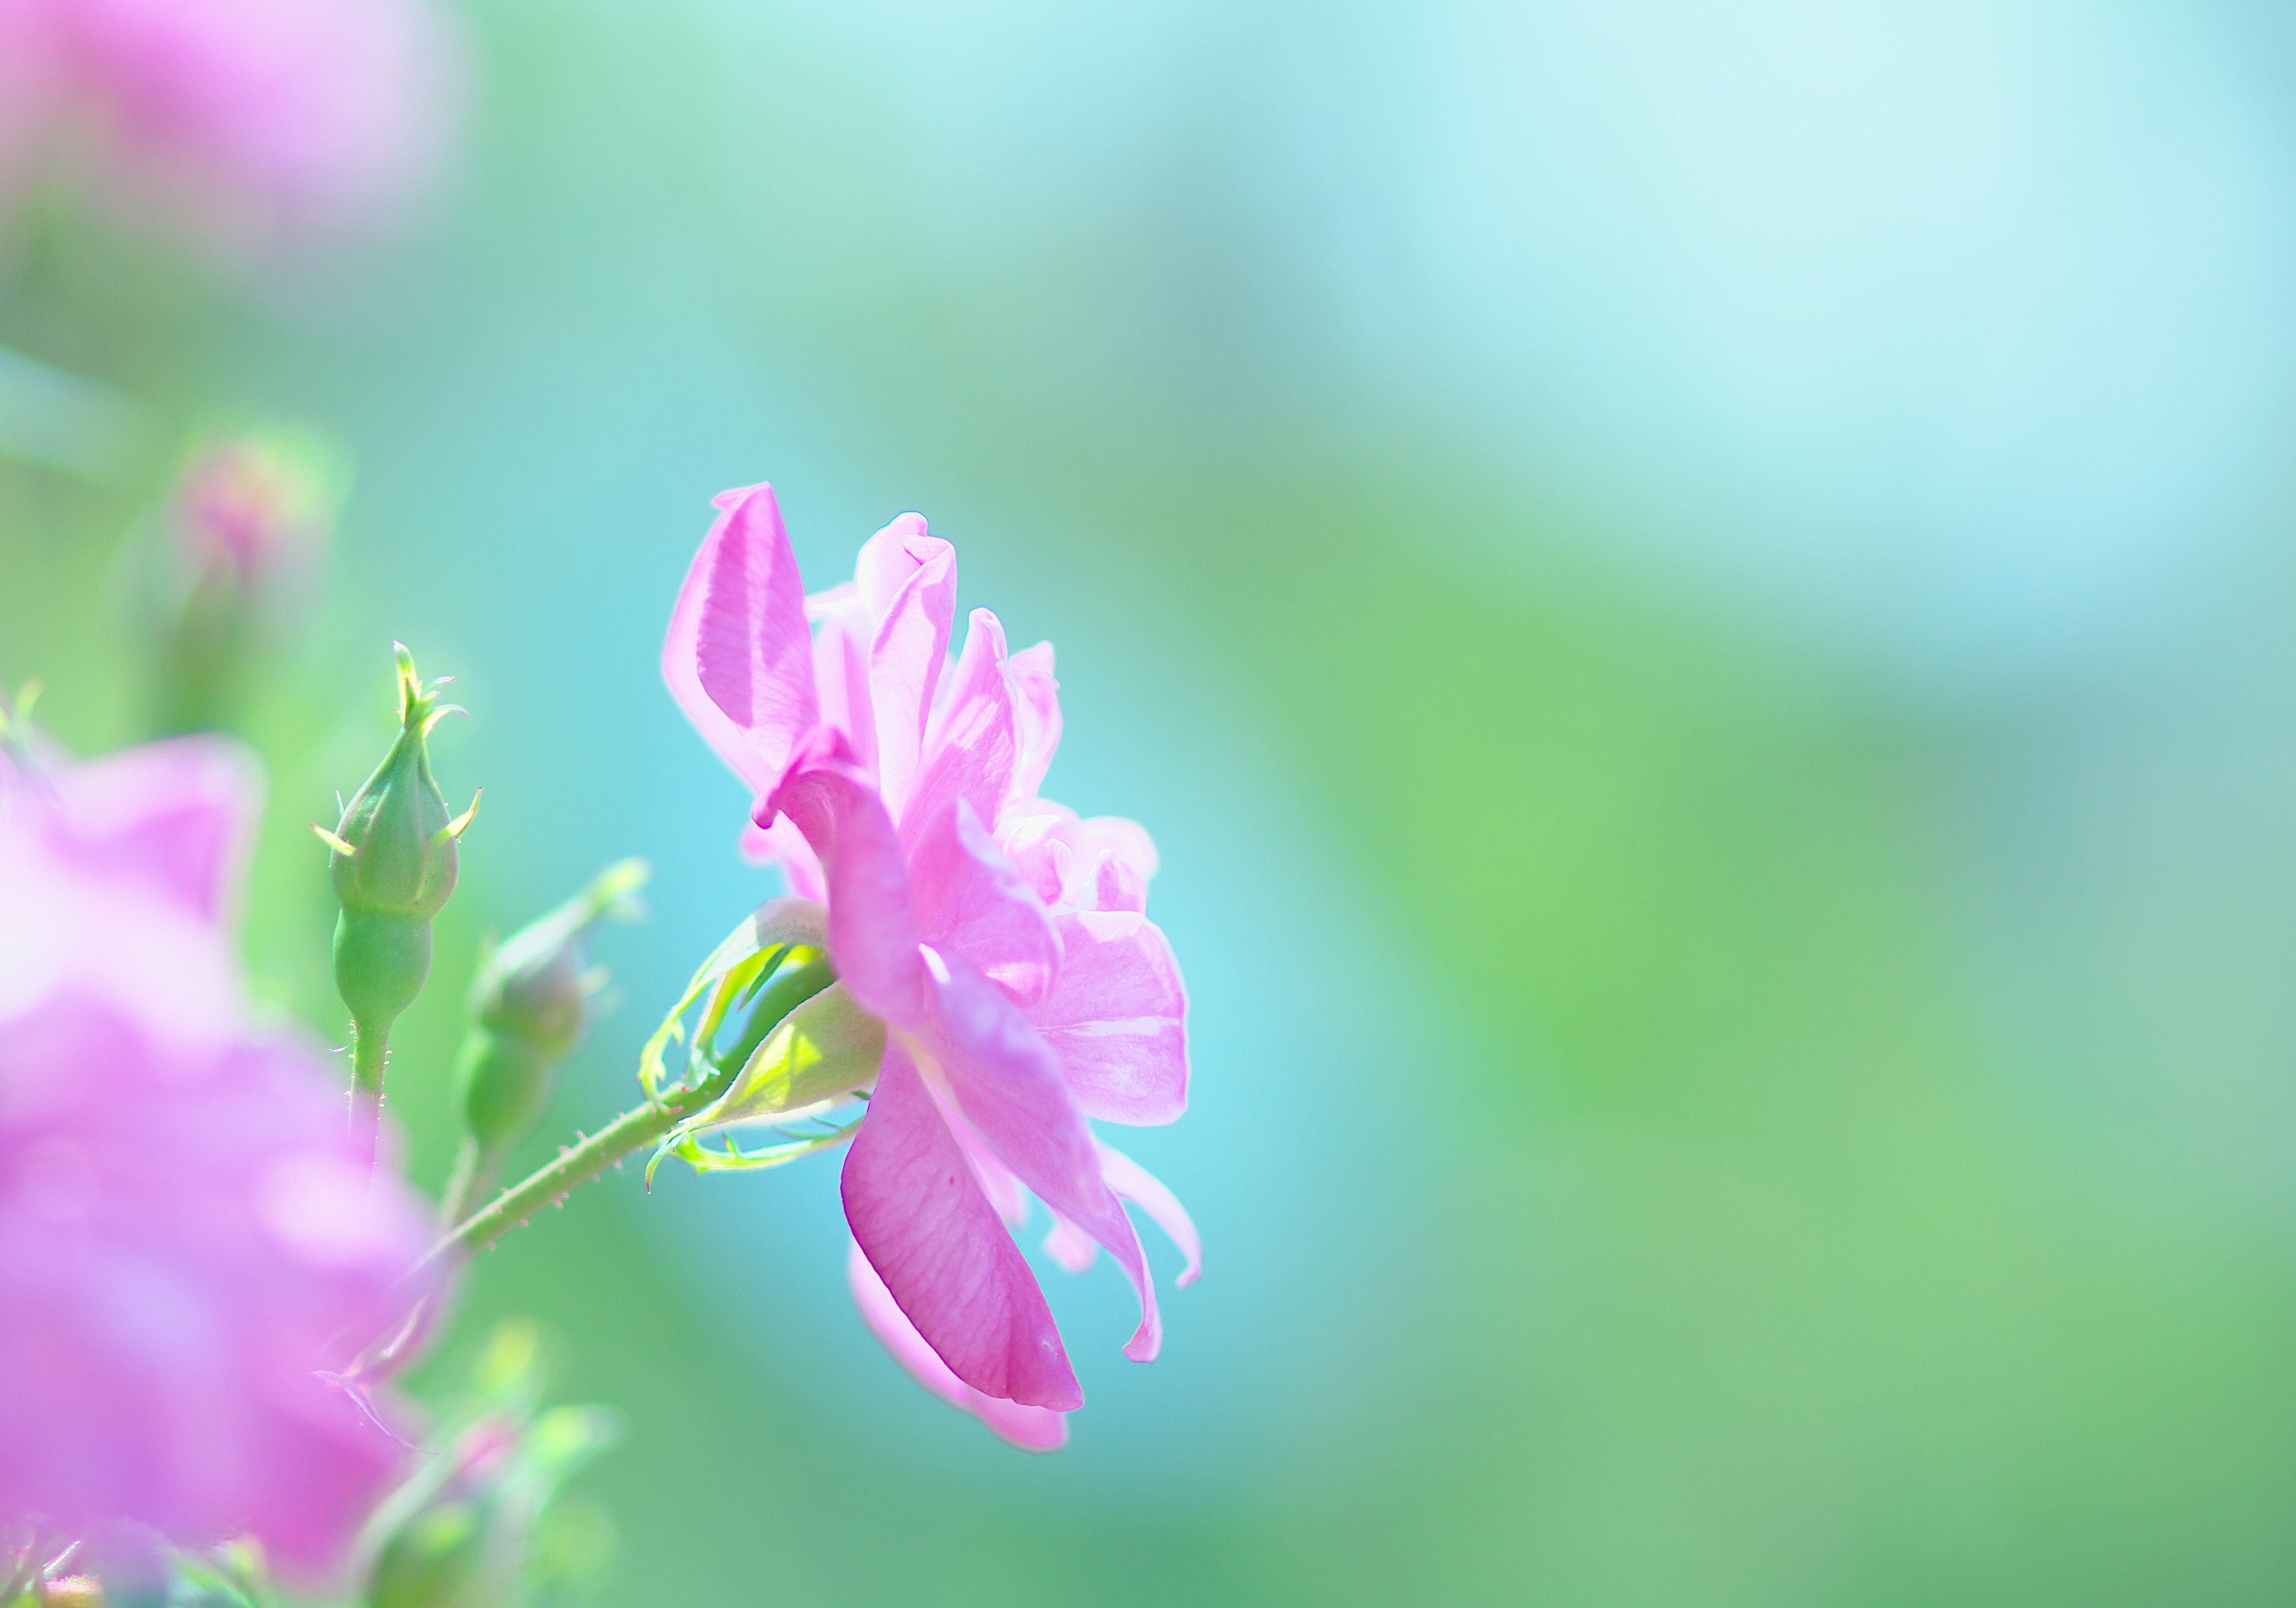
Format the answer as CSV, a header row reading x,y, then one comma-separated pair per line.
x,y
32,80
185,1227
178,817
1033,1429
937,1245
266,117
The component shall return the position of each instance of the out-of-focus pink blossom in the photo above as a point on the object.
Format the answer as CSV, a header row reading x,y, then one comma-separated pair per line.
x,y
1004,942
257,505
184,1228
249,119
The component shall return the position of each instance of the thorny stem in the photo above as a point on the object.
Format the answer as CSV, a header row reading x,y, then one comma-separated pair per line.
x,y
633,1131
471,1232
370,1052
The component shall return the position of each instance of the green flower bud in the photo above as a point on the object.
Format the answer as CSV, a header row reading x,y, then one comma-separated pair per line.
x,y
395,847
530,1007
394,866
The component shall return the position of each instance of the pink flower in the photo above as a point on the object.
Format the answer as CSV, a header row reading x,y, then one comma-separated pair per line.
x,y
185,1227
1003,941
256,506
255,118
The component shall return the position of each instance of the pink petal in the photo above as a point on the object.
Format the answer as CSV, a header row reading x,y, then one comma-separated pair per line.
x,y
1071,1246
1137,1185
1037,709
841,666
1117,1017
873,928
914,615
177,817
970,899
1032,1429
783,845
888,559
935,1241
996,1179
1116,885
1099,839
1029,835
1008,1083
739,657
973,744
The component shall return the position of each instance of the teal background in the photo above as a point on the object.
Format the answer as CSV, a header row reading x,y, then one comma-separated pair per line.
x,y
1696,596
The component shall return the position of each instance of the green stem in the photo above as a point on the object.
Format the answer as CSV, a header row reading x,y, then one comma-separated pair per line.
x,y
478,1168
370,1051
633,1131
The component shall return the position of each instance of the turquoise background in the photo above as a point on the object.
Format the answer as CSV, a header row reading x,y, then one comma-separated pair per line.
x,y
1696,596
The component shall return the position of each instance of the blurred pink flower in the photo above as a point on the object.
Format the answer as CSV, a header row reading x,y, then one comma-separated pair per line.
x,y
256,504
1003,941
185,1227
249,119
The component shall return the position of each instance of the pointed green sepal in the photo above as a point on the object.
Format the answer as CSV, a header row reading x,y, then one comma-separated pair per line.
x,y
779,930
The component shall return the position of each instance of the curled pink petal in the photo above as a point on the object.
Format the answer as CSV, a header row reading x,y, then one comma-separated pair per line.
x,y
1029,840
1138,1186
1032,1429
1117,1017
873,927
841,668
972,744
911,643
936,1242
1008,1084
1093,841
971,899
739,657
1118,885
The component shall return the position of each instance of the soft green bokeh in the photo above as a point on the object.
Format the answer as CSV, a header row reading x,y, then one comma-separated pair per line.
x,y
1728,1073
